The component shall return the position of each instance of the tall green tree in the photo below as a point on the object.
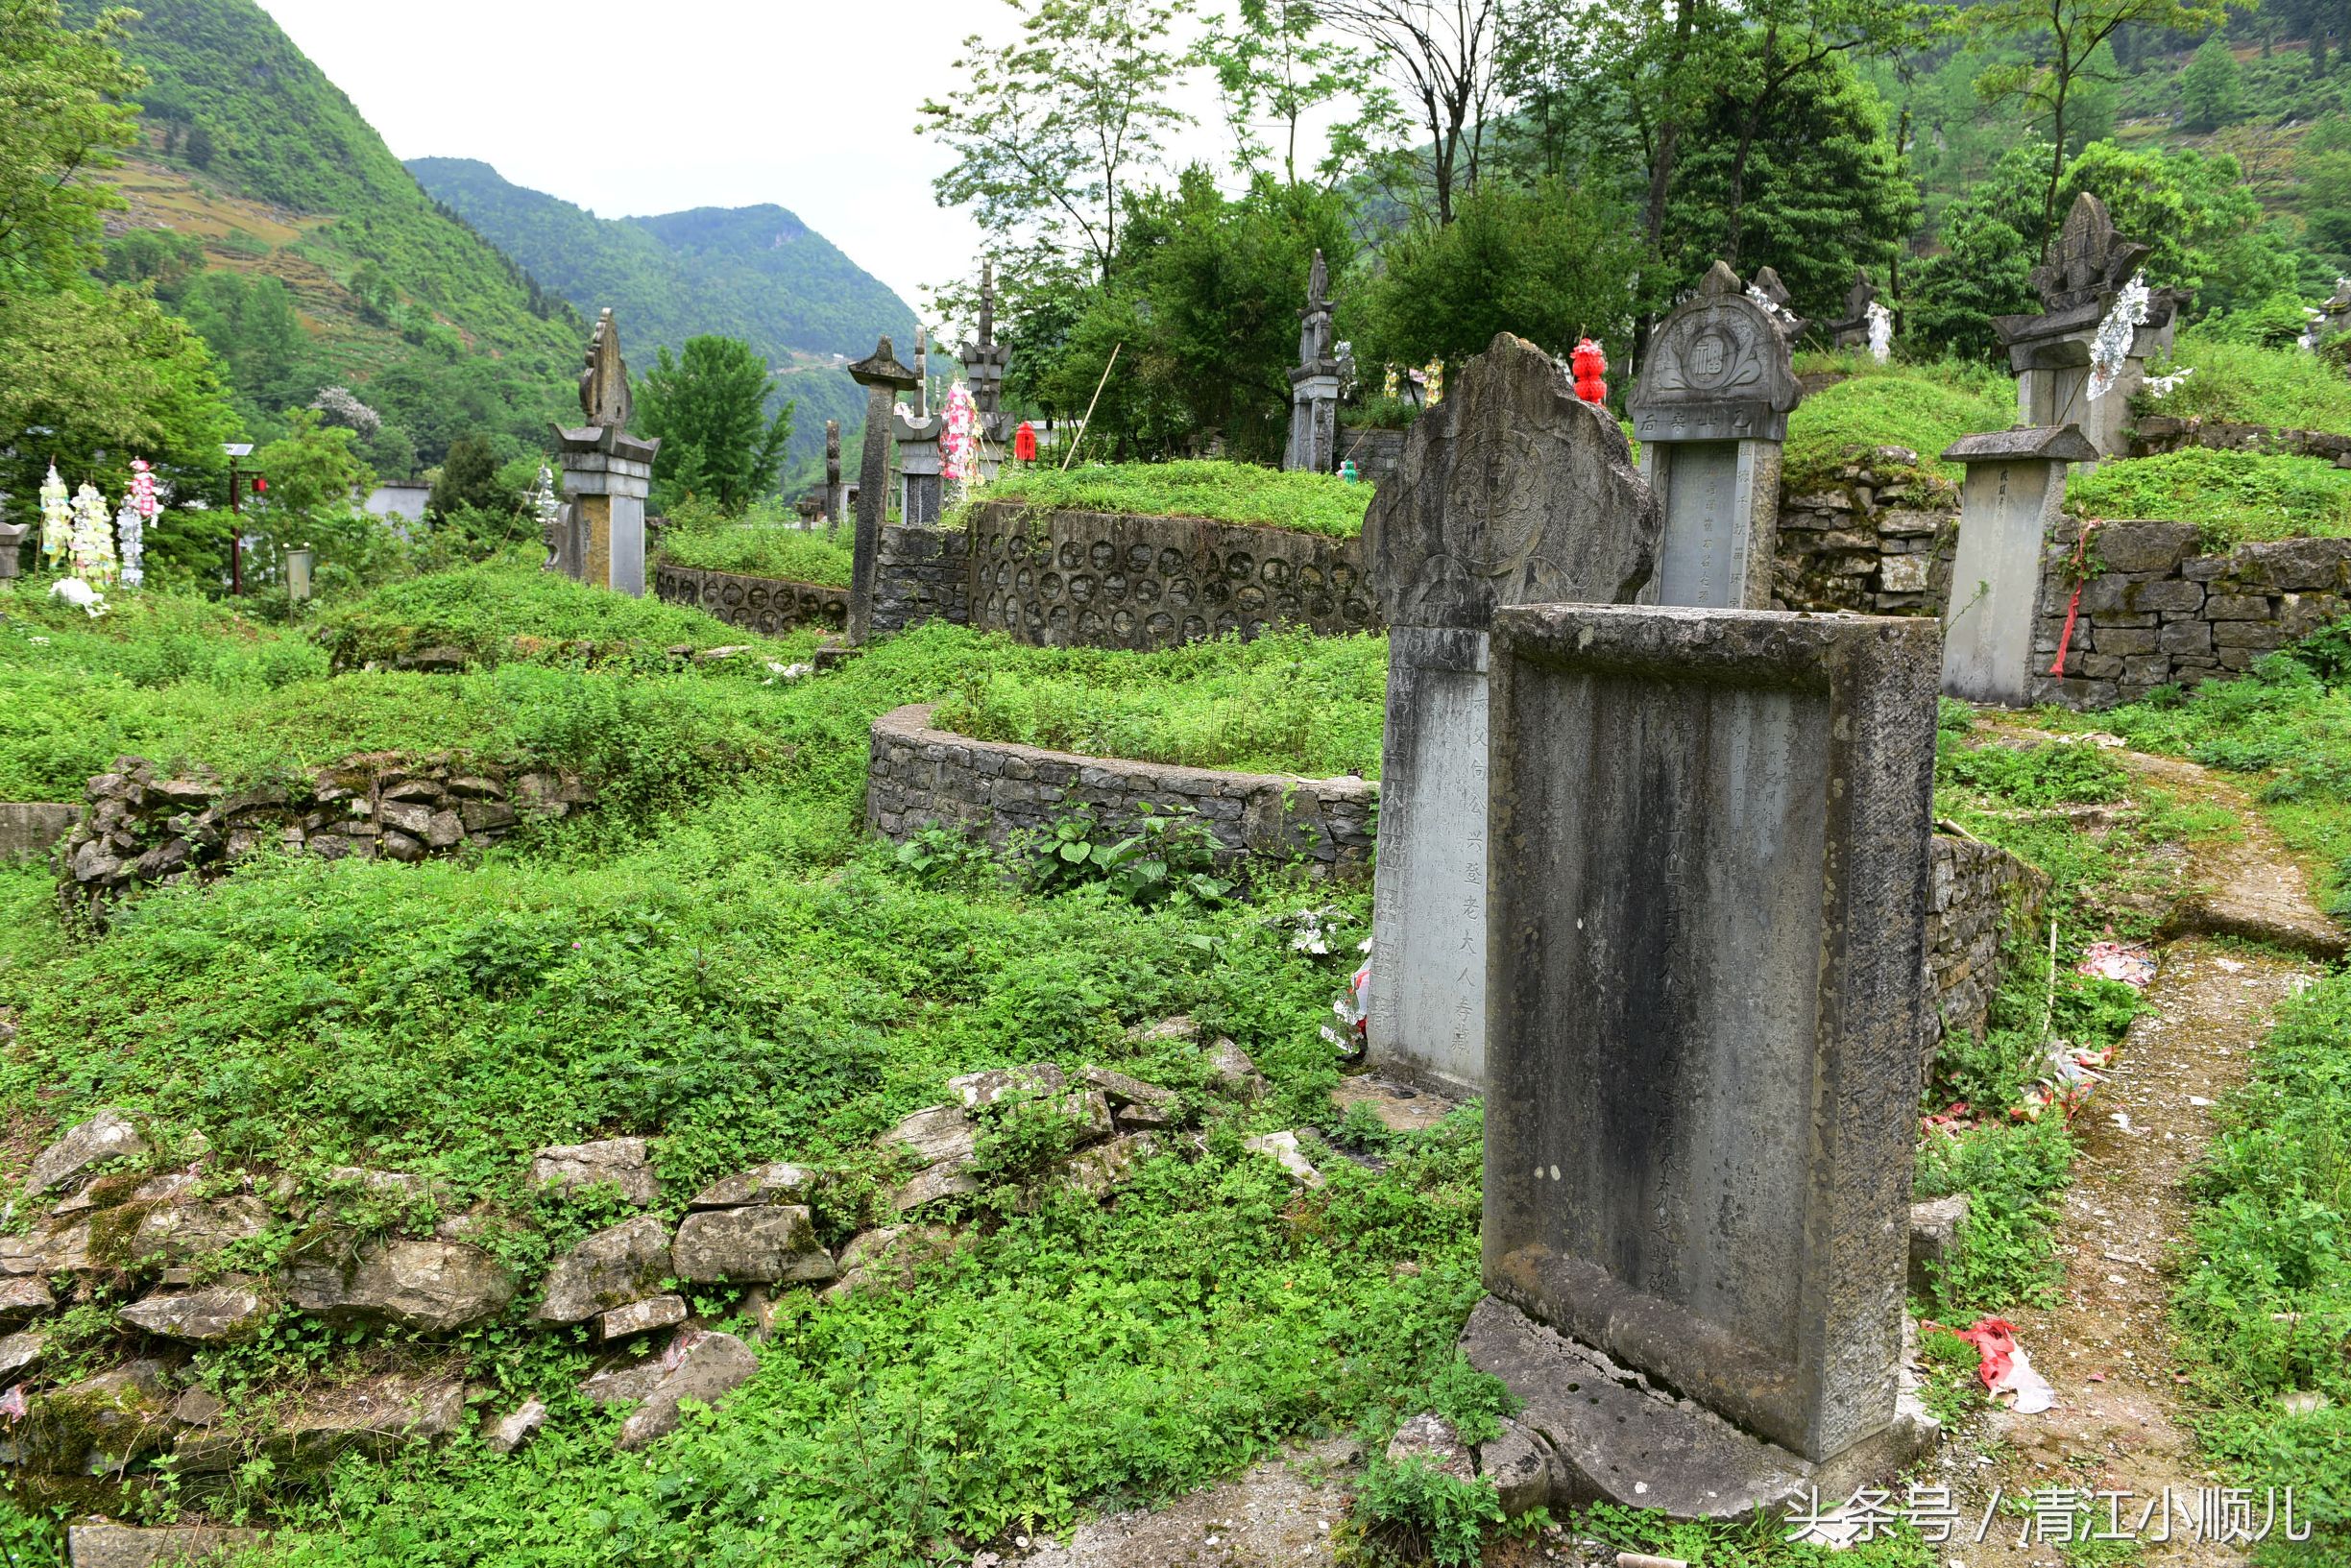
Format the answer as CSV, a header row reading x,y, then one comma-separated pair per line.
x,y
65,112
1274,67
2062,40
709,407
1050,132
1547,262
469,479
2212,89
1444,55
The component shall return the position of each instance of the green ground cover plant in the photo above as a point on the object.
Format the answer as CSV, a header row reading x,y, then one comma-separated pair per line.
x,y
1240,492
2231,497
1923,407
762,542
1289,702
2245,384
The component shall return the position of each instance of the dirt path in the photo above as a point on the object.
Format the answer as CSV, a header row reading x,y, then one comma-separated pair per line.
x,y
2117,1424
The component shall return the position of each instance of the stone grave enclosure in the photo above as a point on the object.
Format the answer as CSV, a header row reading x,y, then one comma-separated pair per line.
x,y
766,605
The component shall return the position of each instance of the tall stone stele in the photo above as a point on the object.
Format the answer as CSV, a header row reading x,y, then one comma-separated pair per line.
x,y
2084,271
835,494
985,364
1852,330
2008,508
883,378
1314,385
1710,414
599,535
1710,834
921,463
1512,491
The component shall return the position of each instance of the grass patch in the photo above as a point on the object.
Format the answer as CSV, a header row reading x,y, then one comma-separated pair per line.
x,y
1288,701
764,549
1923,407
2283,388
1238,493
2231,497
2265,1310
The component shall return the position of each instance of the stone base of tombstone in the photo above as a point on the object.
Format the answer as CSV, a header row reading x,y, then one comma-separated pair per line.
x,y
1615,1438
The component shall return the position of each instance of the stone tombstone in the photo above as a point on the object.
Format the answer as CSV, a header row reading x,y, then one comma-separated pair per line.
x,y
1314,384
1708,920
836,496
1853,331
2084,271
599,533
1711,413
1512,491
921,463
985,364
2015,490
11,539
883,378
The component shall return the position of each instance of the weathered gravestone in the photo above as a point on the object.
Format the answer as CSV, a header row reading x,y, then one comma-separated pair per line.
x,y
1314,384
1512,491
883,378
2015,488
1710,412
921,466
1710,845
599,535
835,494
2084,274
1853,331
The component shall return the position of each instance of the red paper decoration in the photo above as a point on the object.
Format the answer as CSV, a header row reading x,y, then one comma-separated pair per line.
x,y
1024,443
1589,364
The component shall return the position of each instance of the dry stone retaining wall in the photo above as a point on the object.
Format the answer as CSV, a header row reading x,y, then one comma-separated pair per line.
x,y
2155,434
1876,536
1113,580
919,777
1979,896
766,605
142,826
921,574
2154,613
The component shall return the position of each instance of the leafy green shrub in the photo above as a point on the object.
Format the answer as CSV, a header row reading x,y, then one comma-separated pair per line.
x,y
1416,1513
1166,854
1925,408
2063,773
2231,497
1239,493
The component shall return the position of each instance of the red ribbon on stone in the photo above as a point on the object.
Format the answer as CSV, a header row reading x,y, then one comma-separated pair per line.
x,y
2081,558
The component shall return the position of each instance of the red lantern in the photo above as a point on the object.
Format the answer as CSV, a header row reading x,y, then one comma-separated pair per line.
x,y
1024,443
261,485
1589,364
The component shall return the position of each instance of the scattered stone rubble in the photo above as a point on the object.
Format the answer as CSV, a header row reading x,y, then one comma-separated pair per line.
x,y
143,827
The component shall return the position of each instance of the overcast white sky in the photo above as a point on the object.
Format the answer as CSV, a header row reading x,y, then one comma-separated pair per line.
x,y
722,103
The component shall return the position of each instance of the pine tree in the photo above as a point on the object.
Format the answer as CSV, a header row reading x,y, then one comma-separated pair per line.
x,y
2212,89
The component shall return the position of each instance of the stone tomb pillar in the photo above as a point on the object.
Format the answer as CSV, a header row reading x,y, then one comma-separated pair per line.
x,y
599,537
1709,917
2015,482
835,494
921,465
1314,383
883,378
1711,413
1510,490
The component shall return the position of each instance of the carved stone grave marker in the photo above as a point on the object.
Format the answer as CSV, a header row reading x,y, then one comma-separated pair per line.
x,y
1711,834
1511,492
883,378
921,466
1710,412
2015,488
599,536
1314,384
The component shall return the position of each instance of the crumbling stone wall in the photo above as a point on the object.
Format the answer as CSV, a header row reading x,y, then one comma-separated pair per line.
x,y
2153,612
1113,580
1875,535
1979,896
143,826
766,605
919,777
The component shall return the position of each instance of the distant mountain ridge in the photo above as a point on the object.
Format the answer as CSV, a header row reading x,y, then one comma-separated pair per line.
x,y
755,273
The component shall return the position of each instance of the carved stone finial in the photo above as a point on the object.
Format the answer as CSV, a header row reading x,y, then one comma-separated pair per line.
x,y
881,369
987,304
604,384
2086,260
1717,369
1317,283
1720,280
